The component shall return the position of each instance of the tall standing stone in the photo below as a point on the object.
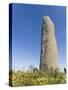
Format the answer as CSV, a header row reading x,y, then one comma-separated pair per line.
x,y
49,52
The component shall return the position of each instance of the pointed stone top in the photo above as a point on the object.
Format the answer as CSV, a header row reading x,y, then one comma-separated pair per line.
x,y
47,19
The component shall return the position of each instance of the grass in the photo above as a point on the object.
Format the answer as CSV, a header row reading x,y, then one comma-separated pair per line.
x,y
34,77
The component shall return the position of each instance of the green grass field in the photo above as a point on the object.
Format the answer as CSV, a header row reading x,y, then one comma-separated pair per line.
x,y
36,77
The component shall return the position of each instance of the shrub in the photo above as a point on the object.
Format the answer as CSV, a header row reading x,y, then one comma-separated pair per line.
x,y
36,77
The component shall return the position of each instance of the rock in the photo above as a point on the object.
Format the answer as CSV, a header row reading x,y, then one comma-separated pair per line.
x,y
49,51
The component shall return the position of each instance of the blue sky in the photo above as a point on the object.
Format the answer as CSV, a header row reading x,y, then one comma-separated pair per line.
x,y
26,33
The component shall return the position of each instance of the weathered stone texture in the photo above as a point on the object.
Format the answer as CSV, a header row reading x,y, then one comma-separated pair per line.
x,y
49,52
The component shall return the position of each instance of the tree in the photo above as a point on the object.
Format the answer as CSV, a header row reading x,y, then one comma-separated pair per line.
x,y
65,70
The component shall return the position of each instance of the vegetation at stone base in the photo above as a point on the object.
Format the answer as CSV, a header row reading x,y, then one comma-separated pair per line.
x,y
35,77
